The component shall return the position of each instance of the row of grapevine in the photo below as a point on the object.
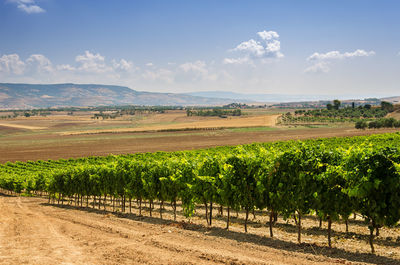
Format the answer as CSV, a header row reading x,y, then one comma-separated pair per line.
x,y
329,177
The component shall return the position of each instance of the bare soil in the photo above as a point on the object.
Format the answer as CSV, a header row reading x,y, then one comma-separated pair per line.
x,y
34,232
53,146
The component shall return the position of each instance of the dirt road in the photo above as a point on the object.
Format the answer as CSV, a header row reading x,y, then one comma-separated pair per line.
x,y
33,232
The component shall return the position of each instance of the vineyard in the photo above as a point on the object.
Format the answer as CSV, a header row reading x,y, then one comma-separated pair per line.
x,y
335,114
331,178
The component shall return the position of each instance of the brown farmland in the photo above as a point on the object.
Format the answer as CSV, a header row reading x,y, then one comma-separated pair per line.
x,y
35,147
63,136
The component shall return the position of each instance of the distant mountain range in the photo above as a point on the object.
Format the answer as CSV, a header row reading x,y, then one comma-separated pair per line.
x,y
27,96
268,98
281,98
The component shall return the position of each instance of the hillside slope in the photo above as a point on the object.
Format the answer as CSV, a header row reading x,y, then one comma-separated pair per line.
x,y
25,96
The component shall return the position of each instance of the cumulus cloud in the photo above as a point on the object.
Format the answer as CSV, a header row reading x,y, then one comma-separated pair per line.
x,y
322,61
28,6
39,63
11,64
95,63
90,64
36,64
122,65
268,35
90,67
266,46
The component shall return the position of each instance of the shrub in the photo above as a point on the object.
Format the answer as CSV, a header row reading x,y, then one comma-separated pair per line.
x,y
361,125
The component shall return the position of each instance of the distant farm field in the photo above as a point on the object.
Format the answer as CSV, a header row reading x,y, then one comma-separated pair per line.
x,y
60,135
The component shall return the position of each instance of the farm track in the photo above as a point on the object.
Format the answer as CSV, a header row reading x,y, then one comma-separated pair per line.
x,y
33,232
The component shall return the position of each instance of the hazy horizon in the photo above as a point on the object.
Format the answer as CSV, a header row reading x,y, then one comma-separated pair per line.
x,y
331,48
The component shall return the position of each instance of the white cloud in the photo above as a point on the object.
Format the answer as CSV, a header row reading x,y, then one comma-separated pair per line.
x,y
28,6
319,67
11,64
92,63
38,66
198,66
149,64
197,70
31,9
122,65
322,61
39,63
164,75
268,35
266,47
65,67
243,60
332,55
251,47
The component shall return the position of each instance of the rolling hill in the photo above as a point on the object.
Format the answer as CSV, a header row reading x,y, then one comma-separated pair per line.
x,y
27,96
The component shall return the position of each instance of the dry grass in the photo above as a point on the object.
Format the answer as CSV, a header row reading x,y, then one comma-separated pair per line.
x,y
395,115
179,123
83,123
19,126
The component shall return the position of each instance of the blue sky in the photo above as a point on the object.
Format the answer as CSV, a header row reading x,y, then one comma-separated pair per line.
x,y
330,47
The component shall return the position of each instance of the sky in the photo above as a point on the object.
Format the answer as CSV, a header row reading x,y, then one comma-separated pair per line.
x,y
347,48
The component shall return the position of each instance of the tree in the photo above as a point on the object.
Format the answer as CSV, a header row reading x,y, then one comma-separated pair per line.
x,y
336,104
387,106
367,106
362,124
